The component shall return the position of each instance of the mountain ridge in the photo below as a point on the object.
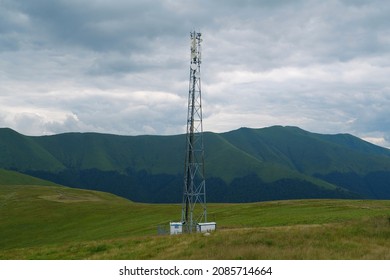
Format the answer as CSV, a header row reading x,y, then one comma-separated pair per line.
x,y
242,165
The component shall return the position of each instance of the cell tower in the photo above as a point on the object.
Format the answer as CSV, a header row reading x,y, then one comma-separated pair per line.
x,y
194,209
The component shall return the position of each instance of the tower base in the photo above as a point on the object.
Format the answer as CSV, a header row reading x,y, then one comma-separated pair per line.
x,y
177,227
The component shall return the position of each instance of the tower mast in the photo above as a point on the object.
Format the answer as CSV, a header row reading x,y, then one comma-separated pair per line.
x,y
194,209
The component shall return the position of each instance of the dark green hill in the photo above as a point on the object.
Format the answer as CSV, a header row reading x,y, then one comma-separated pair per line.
x,y
311,153
24,153
12,178
106,152
241,166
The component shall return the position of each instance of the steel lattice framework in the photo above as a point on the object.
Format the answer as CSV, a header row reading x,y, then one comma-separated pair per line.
x,y
194,209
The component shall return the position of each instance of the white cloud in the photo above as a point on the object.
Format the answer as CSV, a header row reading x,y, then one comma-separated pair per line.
x,y
380,141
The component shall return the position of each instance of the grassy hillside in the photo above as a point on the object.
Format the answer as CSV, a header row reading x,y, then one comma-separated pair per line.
x,y
310,153
22,152
114,152
52,222
10,178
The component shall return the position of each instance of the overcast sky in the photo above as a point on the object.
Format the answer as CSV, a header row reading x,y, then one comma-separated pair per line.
x,y
122,66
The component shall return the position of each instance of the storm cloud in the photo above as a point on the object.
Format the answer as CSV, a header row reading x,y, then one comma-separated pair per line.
x,y
122,66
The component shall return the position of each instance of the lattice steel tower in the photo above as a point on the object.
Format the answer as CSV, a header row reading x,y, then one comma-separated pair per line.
x,y
194,209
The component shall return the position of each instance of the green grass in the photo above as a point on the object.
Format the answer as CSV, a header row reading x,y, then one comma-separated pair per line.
x,y
52,222
36,215
361,239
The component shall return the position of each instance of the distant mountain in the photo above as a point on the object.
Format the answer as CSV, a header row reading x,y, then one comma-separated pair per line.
x,y
243,165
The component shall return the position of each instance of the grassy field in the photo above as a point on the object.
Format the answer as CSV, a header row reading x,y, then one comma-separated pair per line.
x,y
52,222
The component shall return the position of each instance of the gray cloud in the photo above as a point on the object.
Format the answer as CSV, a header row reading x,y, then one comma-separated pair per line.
x,y
122,66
